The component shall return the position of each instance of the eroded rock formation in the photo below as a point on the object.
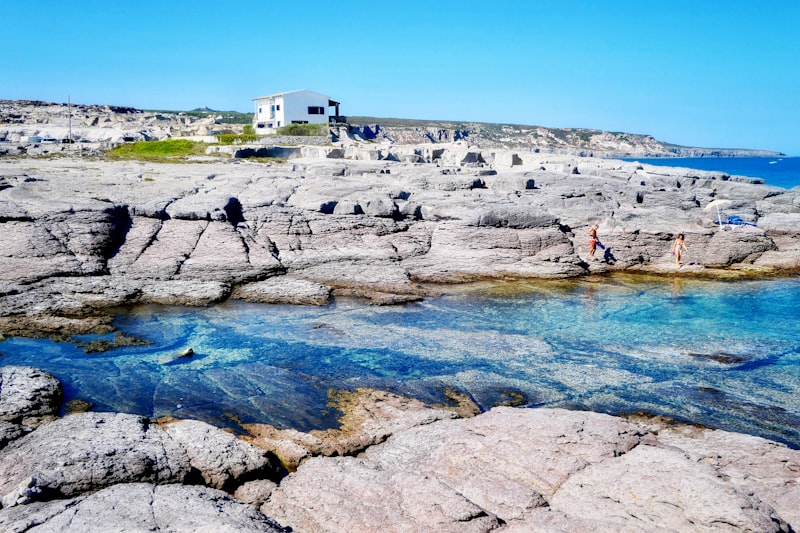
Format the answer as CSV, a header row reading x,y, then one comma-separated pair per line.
x,y
79,237
418,468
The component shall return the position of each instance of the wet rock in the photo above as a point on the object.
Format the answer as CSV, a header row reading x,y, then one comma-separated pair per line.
x,y
188,352
370,416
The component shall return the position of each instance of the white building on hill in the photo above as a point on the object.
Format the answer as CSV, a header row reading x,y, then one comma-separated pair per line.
x,y
293,107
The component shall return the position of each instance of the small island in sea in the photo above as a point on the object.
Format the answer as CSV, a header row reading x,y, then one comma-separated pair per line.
x,y
87,230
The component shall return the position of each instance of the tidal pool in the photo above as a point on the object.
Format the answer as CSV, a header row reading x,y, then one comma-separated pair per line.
x,y
721,354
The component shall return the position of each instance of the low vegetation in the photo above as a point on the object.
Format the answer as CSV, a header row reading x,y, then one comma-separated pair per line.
x,y
232,138
168,150
304,130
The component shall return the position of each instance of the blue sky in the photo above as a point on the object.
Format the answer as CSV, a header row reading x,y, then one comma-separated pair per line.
x,y
719,74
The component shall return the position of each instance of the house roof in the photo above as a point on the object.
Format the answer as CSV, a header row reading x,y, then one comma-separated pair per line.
x,y
291,92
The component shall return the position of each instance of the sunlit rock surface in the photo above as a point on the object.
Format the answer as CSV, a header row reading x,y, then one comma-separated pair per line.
x,y
193,234
420,470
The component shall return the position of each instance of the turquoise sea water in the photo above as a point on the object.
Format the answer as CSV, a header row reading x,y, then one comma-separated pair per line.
x,y
723,354
778,171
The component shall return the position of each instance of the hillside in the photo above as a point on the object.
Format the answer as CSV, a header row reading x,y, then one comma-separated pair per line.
x,y
26,123
569,141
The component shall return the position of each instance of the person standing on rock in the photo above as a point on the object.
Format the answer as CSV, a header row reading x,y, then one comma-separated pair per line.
x,y
593,240
678,248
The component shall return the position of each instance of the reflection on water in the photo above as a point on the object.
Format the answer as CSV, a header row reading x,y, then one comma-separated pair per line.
x,y
723,354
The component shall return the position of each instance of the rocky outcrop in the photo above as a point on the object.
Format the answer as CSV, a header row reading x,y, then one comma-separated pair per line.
x,y
76,242
35,127
566,141
533,469
221,459
398,465
28,397
140,507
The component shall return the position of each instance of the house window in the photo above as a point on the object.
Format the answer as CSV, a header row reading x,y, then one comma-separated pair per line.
x,y
316,110
278,107
279,123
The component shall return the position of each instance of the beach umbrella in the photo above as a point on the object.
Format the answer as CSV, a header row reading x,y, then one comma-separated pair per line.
x,y
717,204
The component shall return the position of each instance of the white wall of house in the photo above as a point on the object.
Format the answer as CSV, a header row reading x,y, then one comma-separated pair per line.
x,y
276,110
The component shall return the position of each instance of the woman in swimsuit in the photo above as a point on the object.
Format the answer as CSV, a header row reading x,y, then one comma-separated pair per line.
x,y
592,240
678,248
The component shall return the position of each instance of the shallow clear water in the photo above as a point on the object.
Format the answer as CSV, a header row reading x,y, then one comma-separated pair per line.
x,y
724,354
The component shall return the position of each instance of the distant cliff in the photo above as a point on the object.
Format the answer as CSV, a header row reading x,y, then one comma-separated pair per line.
x,y
568,141
25,121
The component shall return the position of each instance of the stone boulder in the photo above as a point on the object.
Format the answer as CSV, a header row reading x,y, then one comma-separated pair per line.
x,y
222,459
545,469
284,290
85,452
140,507
28,396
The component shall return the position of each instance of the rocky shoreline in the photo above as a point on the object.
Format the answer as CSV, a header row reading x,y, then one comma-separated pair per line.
x,y
81,237
394,465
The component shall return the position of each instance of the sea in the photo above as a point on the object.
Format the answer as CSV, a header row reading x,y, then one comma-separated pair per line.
x,y
723,354
720,354
776,171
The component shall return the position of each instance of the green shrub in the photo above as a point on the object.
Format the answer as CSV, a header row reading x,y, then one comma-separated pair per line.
x,y
232,138
304,130
248,129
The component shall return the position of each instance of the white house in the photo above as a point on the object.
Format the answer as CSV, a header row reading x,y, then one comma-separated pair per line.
x,y
292,107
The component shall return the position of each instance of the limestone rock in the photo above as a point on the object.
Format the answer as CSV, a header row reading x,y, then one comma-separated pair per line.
x,y
255,492
28,395
284,290
546,469
222,459
653,488
114,448
347,494
365,224
140,507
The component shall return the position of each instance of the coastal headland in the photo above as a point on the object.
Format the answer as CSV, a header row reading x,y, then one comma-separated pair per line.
x,y
81,236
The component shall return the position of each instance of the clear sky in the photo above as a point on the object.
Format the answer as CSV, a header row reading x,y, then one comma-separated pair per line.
x,y
708,73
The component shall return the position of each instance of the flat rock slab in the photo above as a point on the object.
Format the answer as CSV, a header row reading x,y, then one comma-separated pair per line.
x,y
535,469
140,507
85,452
